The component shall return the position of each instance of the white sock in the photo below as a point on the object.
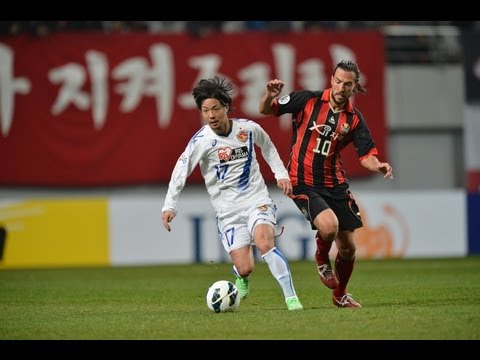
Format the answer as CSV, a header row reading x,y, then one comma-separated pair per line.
x,y
278,264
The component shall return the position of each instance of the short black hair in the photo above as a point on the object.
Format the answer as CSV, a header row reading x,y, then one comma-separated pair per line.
x,y
214,88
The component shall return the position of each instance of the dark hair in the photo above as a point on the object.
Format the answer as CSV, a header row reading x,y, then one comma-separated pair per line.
x,y
347,65
213,88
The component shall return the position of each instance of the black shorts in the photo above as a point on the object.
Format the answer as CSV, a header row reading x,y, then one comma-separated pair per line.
x,y
312,202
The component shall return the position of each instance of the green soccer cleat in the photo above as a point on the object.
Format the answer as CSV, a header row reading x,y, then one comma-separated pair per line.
x,y
243,286
293,303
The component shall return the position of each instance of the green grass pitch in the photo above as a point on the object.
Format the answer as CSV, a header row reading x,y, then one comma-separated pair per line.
x,y
434,299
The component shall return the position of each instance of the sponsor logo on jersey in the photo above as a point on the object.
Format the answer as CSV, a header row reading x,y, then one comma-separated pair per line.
x,y
183,159
322,129
224,154
228,154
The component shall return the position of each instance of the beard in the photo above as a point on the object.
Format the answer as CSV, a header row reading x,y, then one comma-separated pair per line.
x,y
339,102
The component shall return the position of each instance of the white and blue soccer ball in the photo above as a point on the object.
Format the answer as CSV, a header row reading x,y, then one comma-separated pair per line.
x,y
222,296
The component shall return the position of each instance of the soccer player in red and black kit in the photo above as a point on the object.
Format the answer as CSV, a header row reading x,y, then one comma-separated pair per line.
x,y
324,123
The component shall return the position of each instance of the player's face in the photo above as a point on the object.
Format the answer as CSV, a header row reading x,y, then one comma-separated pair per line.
x,y
215,115
343,84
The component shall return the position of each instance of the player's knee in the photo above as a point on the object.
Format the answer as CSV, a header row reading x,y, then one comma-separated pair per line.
x,y
327,224
347,252
244,270
329,232
264,247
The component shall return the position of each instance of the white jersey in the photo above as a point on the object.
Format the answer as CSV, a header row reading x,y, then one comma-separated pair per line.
x,y
229,166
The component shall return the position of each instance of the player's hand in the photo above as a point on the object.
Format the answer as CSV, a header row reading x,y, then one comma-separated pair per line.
x,y
386,170
285,185
167,217
274,87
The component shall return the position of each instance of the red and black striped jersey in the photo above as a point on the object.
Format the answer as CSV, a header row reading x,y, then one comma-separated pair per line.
x,y
319,135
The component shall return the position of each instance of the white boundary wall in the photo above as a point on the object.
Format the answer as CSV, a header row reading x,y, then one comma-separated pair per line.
x,y
406,224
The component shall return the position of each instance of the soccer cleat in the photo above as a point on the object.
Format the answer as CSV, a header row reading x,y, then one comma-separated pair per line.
x,y
327,275
293,303
243,286
346,301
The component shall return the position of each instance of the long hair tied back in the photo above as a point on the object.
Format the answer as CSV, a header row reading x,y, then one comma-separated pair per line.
x,y
347,65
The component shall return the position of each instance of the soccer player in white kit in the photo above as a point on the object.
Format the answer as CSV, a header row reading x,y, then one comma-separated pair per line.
x,y
224,149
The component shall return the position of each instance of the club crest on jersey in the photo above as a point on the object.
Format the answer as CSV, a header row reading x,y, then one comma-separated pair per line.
x,y
242,136
344,129
224,154
284,99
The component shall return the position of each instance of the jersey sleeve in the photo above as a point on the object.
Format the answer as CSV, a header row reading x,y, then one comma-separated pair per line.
x,y
269,152
362,139
185,165
292,103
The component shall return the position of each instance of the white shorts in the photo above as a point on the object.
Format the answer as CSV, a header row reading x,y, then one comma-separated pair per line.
x,y
235,229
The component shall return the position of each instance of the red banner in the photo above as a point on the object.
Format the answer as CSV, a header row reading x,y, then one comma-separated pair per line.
x,y
116,109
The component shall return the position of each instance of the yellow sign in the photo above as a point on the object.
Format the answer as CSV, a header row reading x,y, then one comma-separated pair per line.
x,y
55,233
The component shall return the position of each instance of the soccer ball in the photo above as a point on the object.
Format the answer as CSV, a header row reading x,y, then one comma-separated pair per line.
x,y
222,296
